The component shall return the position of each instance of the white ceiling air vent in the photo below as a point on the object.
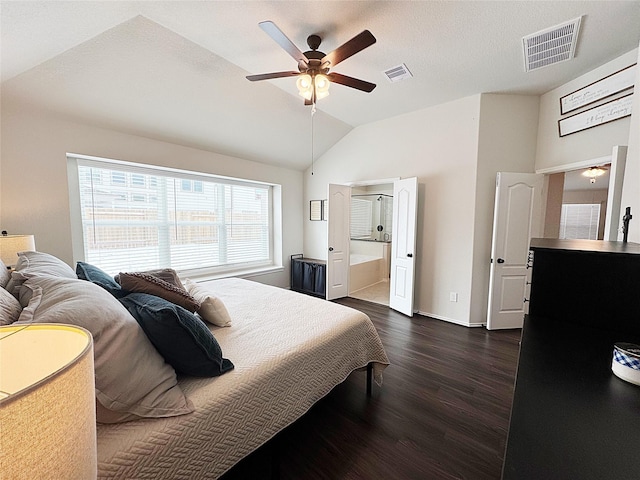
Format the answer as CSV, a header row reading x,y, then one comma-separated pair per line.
x,y
553,45
395,74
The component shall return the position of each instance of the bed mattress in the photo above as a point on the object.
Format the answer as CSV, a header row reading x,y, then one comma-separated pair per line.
x,y
289,351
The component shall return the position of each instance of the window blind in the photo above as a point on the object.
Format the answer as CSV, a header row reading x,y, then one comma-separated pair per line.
x,y
580,221
137,218
361,211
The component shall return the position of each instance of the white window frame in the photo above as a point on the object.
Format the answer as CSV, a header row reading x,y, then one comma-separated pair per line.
x,y
246,269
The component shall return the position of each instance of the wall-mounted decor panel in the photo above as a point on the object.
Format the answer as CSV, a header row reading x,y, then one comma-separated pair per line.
x,y
595,116
606,87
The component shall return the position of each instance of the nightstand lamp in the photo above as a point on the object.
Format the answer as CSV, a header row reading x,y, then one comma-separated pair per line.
x,y
10,245
47,402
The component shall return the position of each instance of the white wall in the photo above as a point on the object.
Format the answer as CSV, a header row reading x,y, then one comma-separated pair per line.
x,y
34,191
631,188
553,151
507,143
439,146
455,150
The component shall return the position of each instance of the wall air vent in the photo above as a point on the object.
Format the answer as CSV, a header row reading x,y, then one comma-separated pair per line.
x,y
553,45
395,74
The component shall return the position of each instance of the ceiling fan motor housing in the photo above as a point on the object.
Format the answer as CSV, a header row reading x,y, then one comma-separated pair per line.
x,y
314,56
314,42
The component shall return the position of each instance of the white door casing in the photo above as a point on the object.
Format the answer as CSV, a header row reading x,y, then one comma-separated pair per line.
x,y
403,245
614,196
338,229
517,218
617,159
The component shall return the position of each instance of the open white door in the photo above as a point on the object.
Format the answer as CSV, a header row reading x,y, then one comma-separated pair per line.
x,y
403,245
338,241
517,218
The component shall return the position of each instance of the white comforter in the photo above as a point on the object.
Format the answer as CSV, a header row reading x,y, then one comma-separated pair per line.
x,y
289,350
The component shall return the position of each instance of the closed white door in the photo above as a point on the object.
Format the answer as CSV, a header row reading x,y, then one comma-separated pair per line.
x,y
517,218
403,245
338,241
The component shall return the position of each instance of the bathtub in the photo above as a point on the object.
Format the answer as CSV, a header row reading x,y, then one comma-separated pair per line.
x,y
358,258
369,268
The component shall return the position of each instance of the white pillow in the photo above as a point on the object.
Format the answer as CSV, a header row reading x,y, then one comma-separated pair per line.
x,y
131,376
211,309
32,263
9,308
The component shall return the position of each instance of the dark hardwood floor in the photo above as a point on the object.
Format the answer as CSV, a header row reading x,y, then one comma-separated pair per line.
x,y
442,412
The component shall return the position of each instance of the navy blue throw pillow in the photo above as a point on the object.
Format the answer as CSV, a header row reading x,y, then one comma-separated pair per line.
x,y
182,339
93,274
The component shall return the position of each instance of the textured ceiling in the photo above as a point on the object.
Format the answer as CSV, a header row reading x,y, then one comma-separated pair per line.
x,y
175,70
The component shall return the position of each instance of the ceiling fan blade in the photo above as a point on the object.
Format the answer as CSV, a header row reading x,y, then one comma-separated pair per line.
x,y
353,46
281,39
268,76
352,82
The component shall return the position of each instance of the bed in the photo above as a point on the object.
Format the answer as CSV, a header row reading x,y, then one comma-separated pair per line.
x,y
288,351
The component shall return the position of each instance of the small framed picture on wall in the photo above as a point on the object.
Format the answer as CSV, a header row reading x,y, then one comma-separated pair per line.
x,y
315,210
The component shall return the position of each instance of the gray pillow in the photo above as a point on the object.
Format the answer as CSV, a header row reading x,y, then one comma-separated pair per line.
x,y
146,282
9,308
5,274
131,376
32,263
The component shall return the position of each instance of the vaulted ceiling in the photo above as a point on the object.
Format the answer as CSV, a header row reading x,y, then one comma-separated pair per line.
x,y
175,70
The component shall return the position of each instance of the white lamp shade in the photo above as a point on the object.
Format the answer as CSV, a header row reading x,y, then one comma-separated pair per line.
x,y
321,83
47,402
305,86
11,245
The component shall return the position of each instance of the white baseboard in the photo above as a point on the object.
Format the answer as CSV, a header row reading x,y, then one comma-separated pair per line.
x,y
451,320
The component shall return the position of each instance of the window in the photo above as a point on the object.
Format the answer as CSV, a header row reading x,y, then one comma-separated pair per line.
x,y
580,221
186,185
361,214
118,178
151,217
137,180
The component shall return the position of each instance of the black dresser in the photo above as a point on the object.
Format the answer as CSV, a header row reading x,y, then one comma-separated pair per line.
x,y
571,417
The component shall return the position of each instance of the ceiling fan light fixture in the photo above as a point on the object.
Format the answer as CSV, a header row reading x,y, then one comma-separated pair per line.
x,y
305,86
308,83
593,172
321,83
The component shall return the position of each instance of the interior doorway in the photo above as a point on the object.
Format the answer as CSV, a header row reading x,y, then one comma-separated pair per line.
x,y
577,203
583,199
370,242
402,241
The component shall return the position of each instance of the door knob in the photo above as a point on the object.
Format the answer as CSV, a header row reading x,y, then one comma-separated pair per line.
x,y
501,260
410,255
331,249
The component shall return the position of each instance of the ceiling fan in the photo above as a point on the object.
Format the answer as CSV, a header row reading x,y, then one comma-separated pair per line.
x,y
313,66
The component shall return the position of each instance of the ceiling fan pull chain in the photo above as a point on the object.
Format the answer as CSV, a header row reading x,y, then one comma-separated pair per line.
x,y
313,111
